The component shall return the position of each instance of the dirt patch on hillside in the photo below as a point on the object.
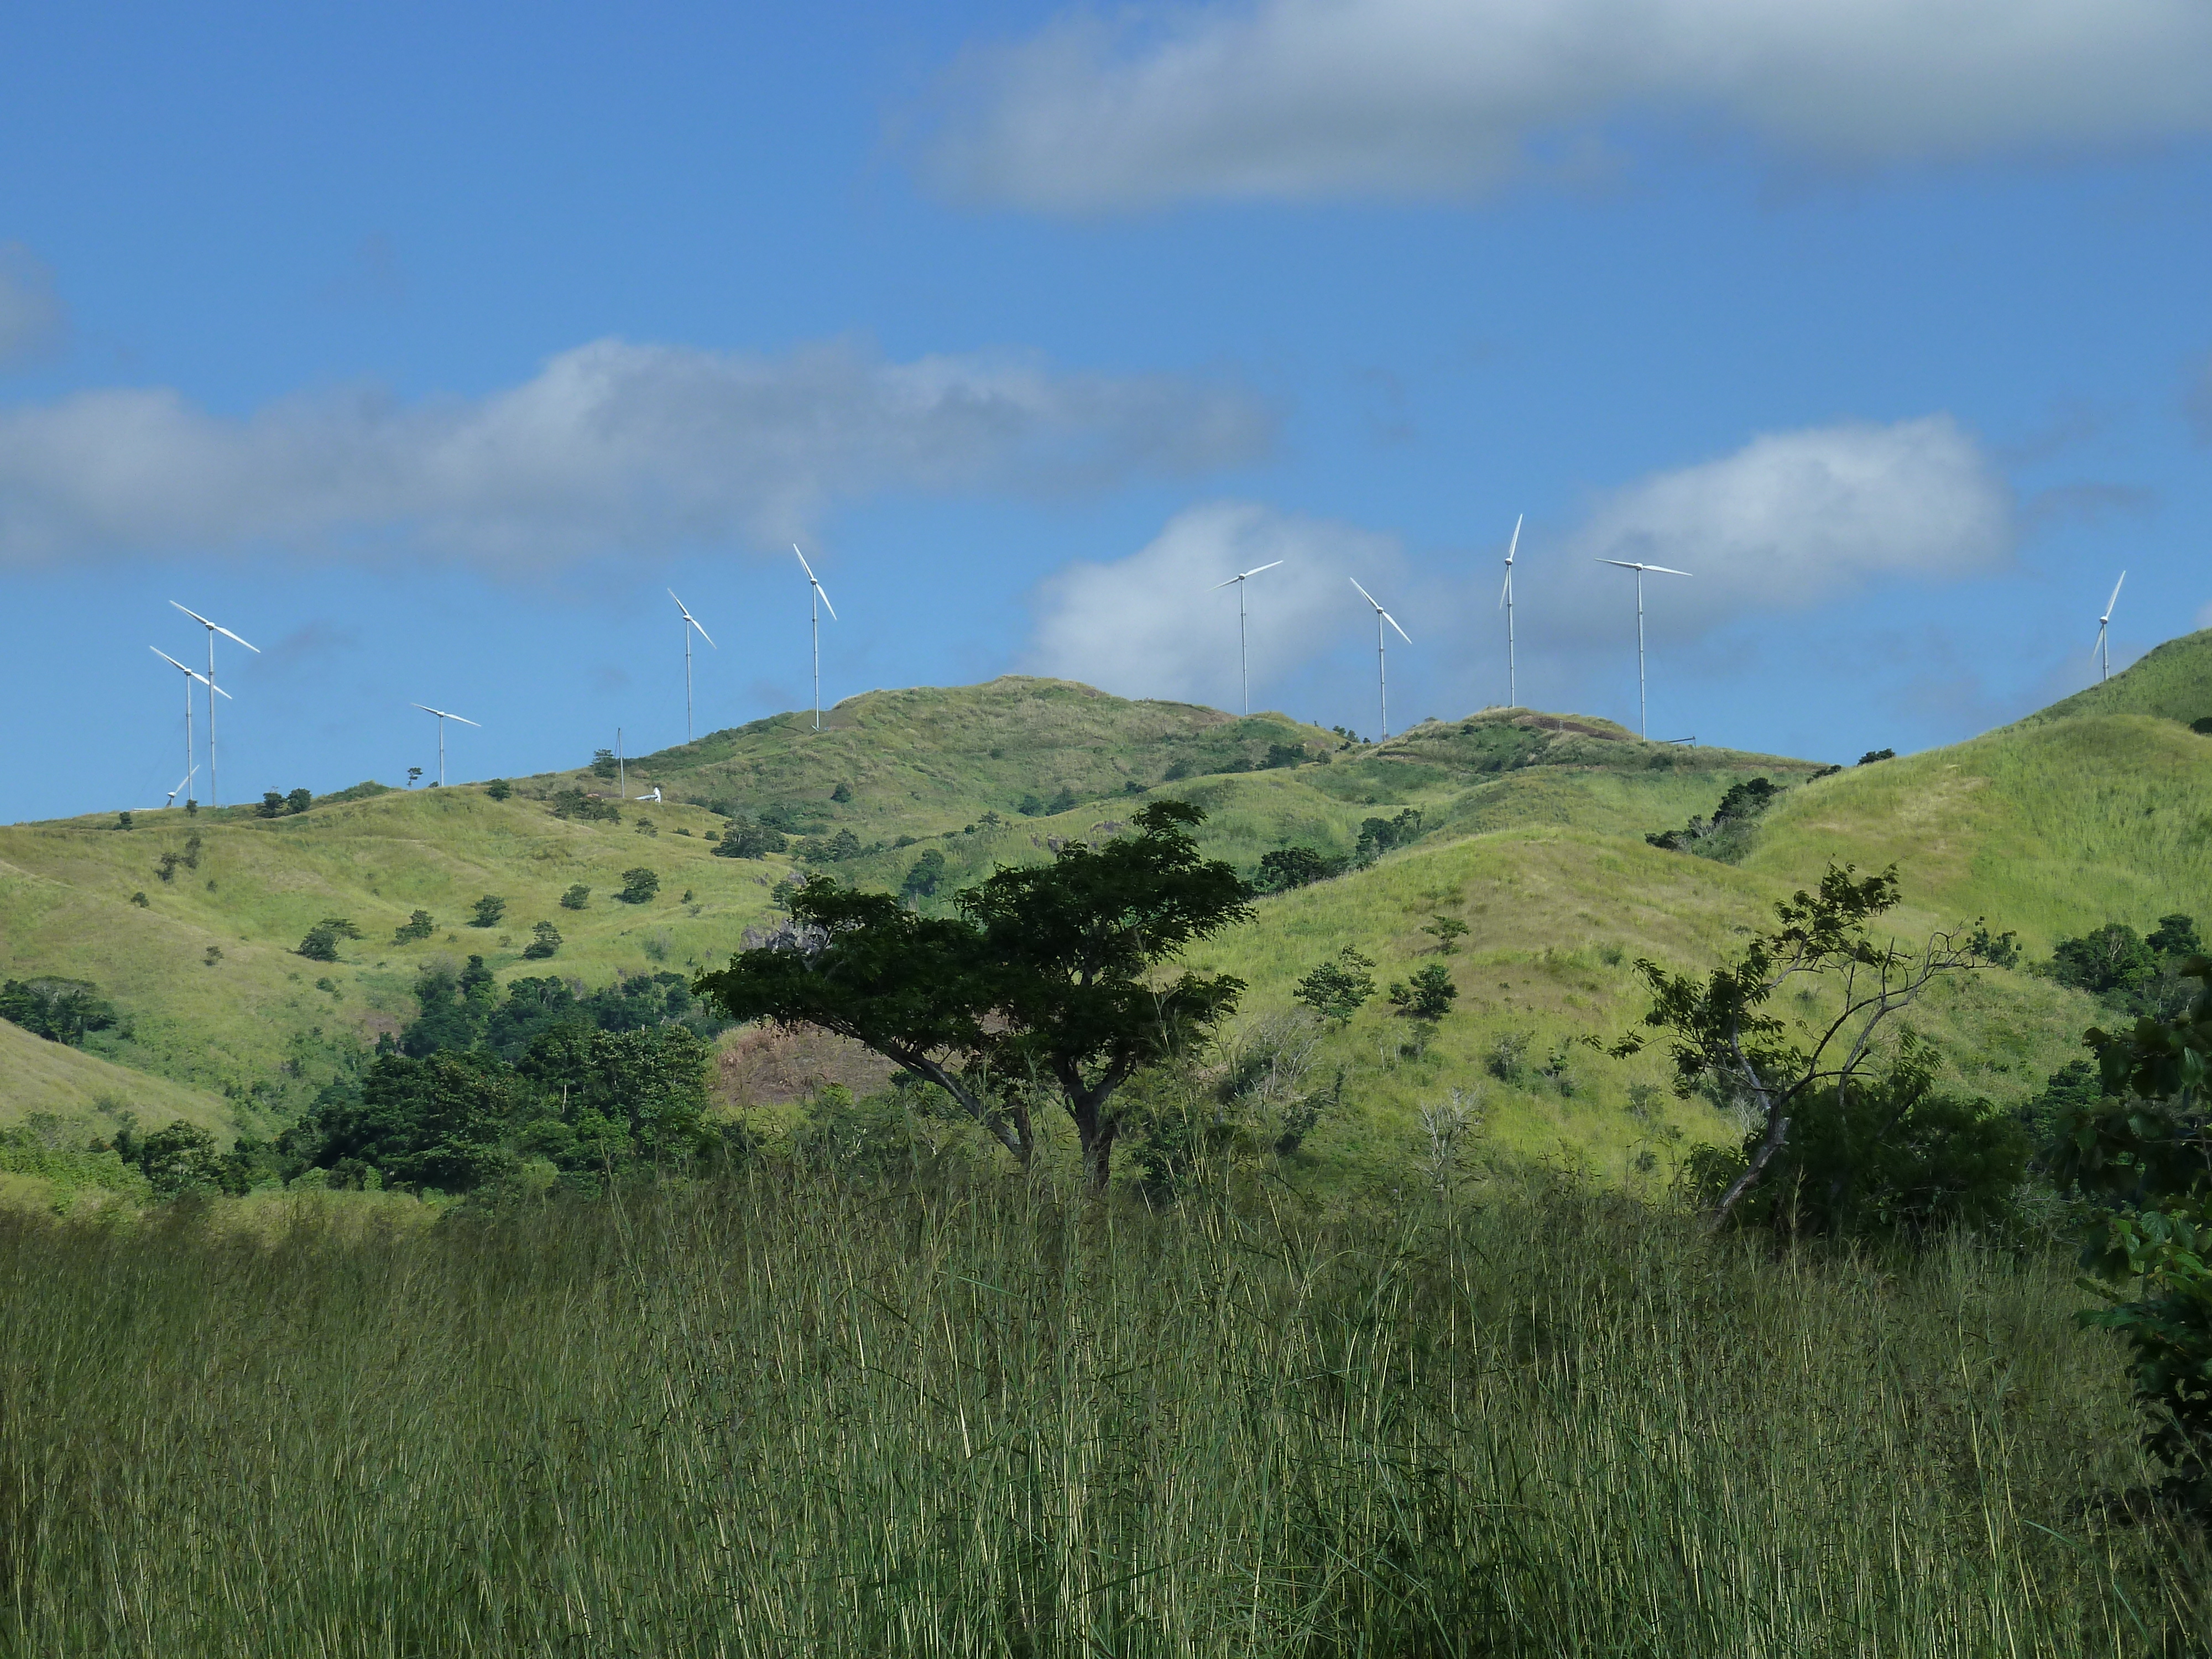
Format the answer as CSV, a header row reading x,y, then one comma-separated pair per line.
x,y
761,1065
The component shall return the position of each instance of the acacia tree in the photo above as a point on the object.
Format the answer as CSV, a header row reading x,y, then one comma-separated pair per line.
x,y
1046,983
1720,1028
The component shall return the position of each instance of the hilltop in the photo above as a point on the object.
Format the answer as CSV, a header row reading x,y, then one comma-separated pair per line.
x,y
1529,827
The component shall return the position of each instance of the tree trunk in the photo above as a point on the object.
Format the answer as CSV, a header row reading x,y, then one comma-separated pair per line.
x,y
1777,1129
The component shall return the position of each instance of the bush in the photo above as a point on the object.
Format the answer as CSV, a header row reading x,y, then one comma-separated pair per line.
x,y
123,820
499,789
272,805
576,897
545,940
638,886
418,925
321,944
298,802
921,881
59,1010
585,809
1873,755
1336,989
487,911
1430,995
604,767
1727,835
1378,836
842,793
1287,867
752,840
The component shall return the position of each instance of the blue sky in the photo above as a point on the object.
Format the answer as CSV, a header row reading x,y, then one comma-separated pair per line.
x,y
428,348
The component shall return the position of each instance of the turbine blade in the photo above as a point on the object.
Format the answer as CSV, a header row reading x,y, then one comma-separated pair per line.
x,y
466,721
167,658
803,565
1256,569
1231,582
1507,588
703,633
1364,593
228,634
2100,639
1623,563
1516,545
826,606
2115,600
427,709
213,687
1392,620
193,614
1662,570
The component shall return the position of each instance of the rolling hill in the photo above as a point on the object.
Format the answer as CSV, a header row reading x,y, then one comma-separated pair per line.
x,y
1531,829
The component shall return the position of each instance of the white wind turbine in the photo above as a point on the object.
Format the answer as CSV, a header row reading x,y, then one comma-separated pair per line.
x,y
442,718
690,621
2105,622
814,617
1505,599
191,674
187,779
215,784
1382,674
1244,676
1643,708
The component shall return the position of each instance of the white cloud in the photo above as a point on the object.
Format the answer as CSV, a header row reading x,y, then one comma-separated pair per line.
x,y
1795,517
1153,625
611,446
1332,97
33,321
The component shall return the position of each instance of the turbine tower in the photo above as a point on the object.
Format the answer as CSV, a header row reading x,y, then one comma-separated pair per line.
x,y
442,718
187,779
1643,708
690,621
191,674
1382,674
1512,689
817,599
2105,622
1244,676
215,784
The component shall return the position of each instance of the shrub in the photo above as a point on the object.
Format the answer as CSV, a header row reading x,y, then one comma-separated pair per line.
x,y
645,827
418,925
842,793
585,809
272,805
1447,932
213,956
603,764
59,1010
1727,835
1285,754
499,789
545,940
1378,836
1287,867
487,911
123,820
298,802
141,900
638,886
1508,1059
921,881
1430,995
576,897
752,840
1873,755
1336,989
1030,807
321,944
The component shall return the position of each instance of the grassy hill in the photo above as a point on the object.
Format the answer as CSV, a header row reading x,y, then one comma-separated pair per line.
x,y
1532,831
90,1094
2172,681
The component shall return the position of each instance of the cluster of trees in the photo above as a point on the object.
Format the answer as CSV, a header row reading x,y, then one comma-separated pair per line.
x,y
188,857
276,805
1726,836
2130,973
59,1010
1033,807
749,840
574,803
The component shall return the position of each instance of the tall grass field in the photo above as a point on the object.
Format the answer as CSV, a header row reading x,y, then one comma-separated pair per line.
x,y
777,1417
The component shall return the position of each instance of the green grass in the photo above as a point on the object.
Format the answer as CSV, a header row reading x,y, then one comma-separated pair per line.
x,y
776,1419
89,1094
2174,681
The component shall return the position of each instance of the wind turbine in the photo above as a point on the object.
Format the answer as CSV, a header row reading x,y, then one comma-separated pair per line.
x,y
1643,709
814,617
187,779
690,621
2098,650
1381,675
442,718
1242,576
1512,690
215,786
191,674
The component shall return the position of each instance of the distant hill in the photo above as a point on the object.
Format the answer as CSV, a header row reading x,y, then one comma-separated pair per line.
x,y
1530,827
2172,681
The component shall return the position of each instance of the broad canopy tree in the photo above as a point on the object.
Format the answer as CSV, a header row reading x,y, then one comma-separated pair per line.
x,y
1046,983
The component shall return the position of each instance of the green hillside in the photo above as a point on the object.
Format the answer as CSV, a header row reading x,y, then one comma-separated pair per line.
x,y
1529,827
88,1093
2172,681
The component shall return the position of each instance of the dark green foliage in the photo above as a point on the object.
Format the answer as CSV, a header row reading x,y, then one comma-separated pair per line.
x,y
921,881
842,793
1031,807
418,925
545,940
640,886
750,840
604,766
583,808
645,827
413,773
1873,755
2141,1157
1287,867
2130,974
1337,989
487,911
1725,835
1722,1034
1430,993
321,944
453,1008
832,849
1043,984
123,820
180,1158
1998,950
298,801
165,867
59,1010
2201,725
499,788
1894,1157
1378,836
191,852
1064,801
272,805
1285,754
576,897
141,900
636,1002
1448,930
